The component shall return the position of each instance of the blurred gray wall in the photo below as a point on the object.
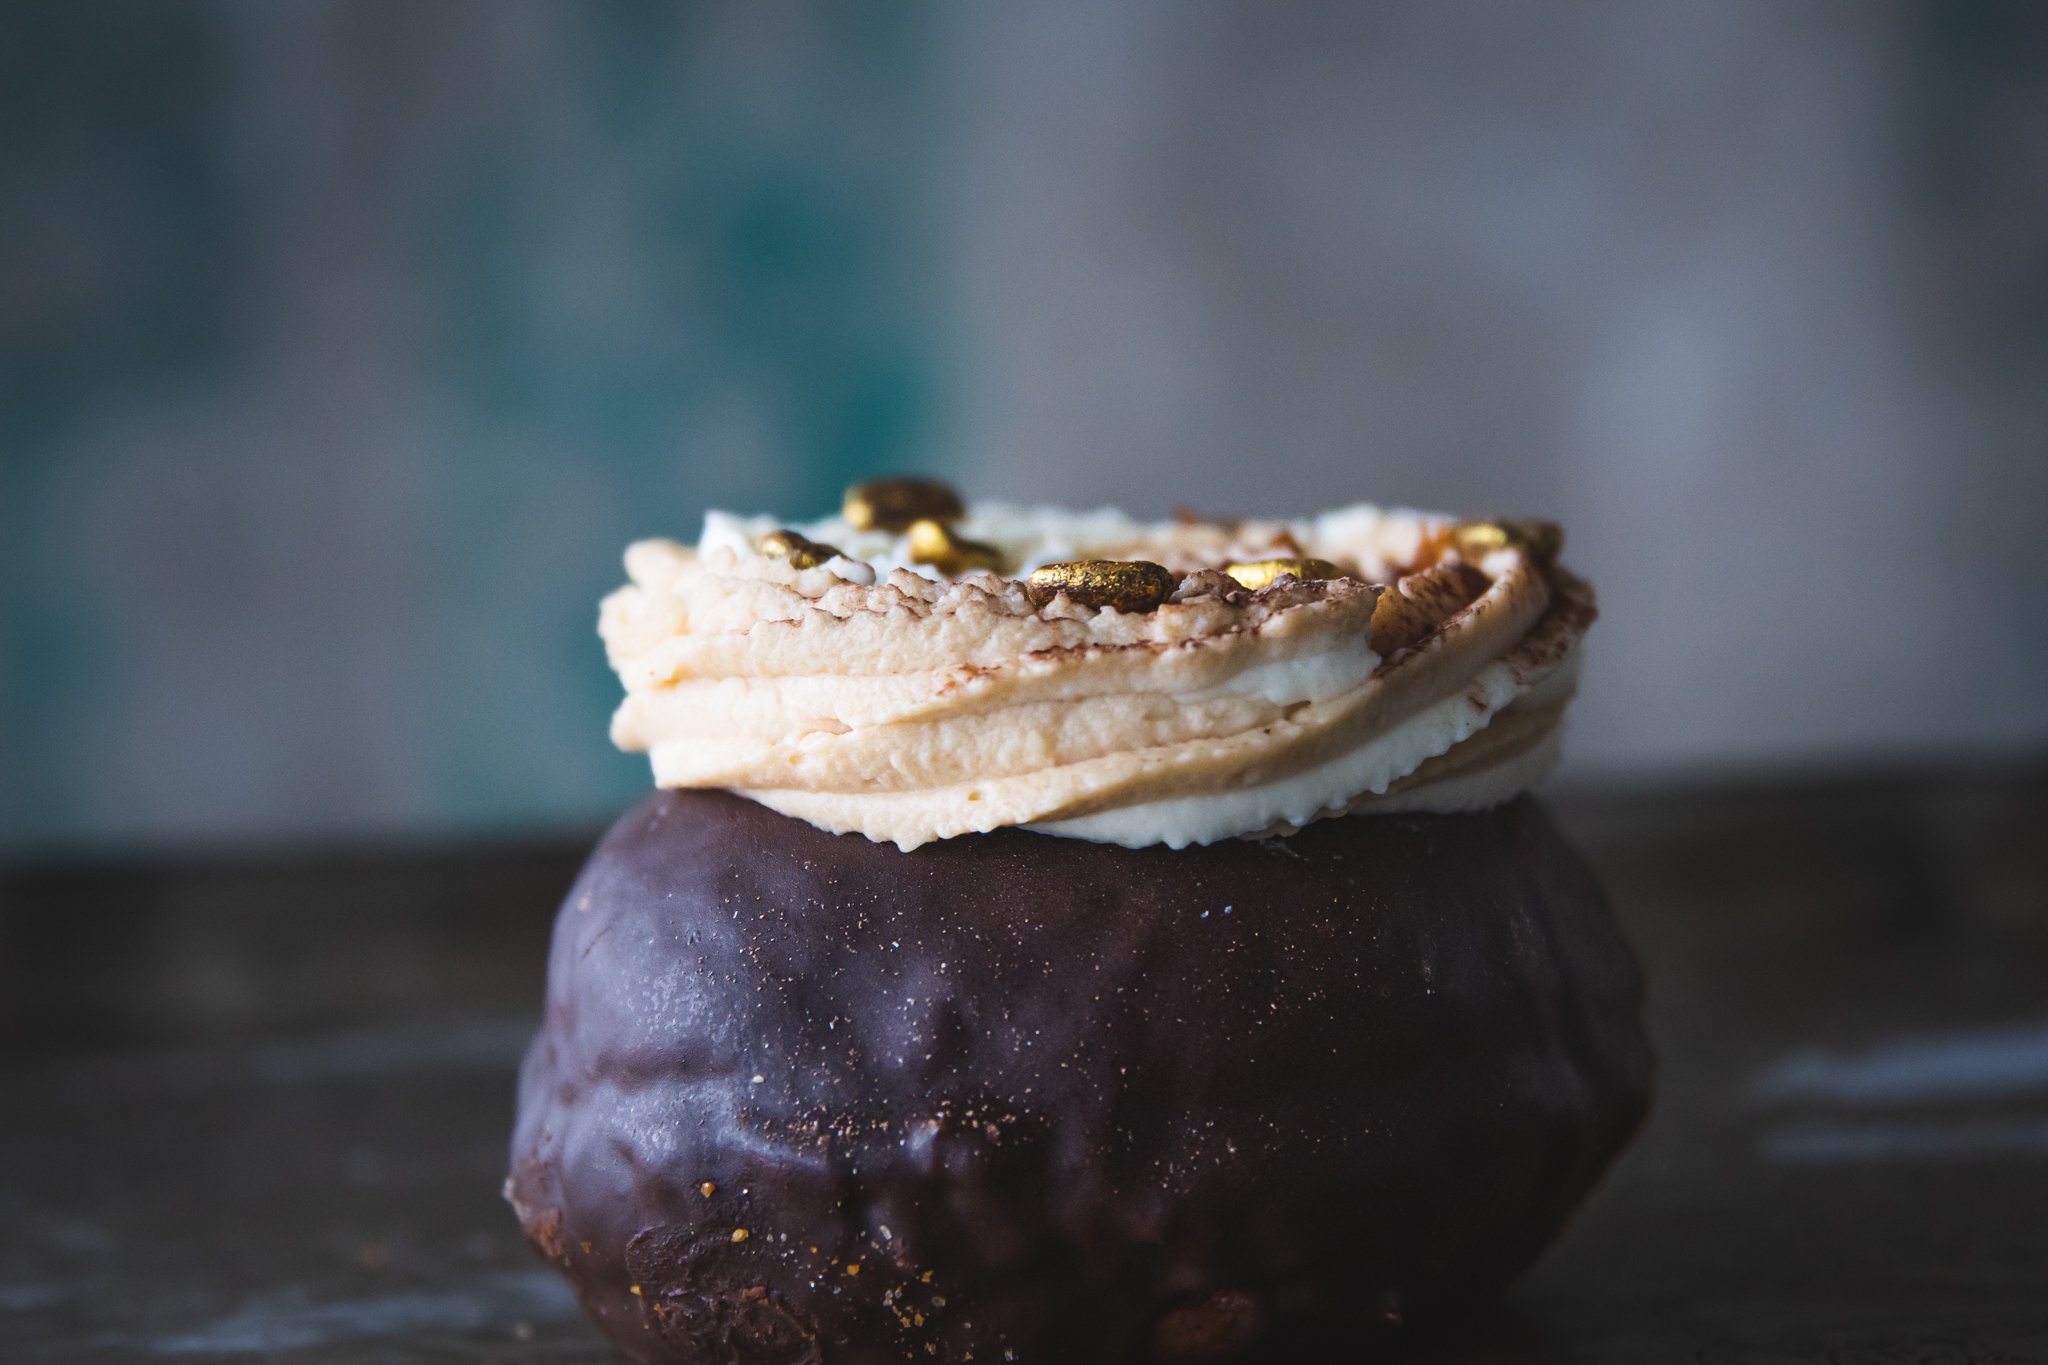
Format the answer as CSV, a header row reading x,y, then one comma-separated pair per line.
x,y
1752,296
343,346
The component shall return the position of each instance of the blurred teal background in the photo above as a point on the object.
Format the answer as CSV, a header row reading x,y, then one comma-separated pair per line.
x,y
343,346
346,346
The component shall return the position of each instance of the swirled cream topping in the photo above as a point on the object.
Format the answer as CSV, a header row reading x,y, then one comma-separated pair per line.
x,y
922,682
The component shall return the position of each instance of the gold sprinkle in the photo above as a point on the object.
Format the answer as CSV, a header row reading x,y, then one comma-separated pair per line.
x,y
853,1269
1542,541
707,1189
1134,585
931,543
893,504
1258,573
636,1292
739,1234
801,551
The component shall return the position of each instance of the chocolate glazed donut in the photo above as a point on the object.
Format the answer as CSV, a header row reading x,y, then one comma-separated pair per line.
x,y
805,1098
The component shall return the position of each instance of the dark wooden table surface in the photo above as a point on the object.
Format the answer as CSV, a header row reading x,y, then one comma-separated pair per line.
x,y
255,1107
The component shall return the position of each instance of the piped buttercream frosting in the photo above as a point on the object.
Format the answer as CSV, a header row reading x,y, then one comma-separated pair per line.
x,y
870,693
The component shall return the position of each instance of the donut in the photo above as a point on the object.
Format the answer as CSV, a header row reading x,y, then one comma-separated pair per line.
x,y
840,1066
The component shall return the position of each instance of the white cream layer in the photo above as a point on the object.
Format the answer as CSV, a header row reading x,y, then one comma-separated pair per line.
x,y
1357,780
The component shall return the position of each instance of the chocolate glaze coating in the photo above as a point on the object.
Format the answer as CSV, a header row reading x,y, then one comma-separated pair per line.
x,y
805,1098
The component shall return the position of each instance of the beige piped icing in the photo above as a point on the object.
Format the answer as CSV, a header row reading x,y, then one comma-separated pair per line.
x,y
874,693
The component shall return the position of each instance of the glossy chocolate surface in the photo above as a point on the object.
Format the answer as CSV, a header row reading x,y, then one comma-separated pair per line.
x,y
801,1097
